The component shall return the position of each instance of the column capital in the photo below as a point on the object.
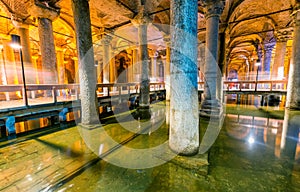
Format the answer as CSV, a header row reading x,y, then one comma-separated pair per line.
x,y
283,35
19,23
213,8
106,39
44,9
141,18
268,47
167,39
296,13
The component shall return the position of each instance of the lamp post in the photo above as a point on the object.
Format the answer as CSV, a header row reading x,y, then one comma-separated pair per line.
x,y
257,64
16,44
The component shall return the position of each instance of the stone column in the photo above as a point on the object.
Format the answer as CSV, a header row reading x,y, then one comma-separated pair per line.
x,y
45,17
23,31
75,59
141,21
167,66
3,71
268,47
154,67
60,66
112,66
211,103
136,65
184,117
282,37
87,74
105,41
35,66
293,92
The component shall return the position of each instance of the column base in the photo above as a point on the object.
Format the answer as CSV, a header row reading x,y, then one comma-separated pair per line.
x,y
143,112
211,108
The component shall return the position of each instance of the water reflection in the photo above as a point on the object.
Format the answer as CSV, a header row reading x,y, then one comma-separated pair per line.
x,y
280,137
279,134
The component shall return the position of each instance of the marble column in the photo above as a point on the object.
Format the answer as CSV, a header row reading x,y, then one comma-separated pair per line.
x,y
154,67
112,66
60,66
23,32
75,59
3,72
142,21
35,66
268,47
184,117
211,103
282,37
167,66
87,73
136,65
293,92
105,41
46,15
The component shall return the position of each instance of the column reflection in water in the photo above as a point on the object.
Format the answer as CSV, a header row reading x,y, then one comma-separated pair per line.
x,y
290,136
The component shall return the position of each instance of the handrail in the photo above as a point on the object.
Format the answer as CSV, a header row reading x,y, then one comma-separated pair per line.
x,y
108,88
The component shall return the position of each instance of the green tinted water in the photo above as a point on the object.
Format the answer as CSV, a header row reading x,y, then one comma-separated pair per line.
x,y
255,151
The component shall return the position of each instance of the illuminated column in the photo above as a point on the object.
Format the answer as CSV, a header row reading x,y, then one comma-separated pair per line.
x,y
23,31
60,66
112,66
167,66
12,76
211,103
130,69
141,21
75,59
46,15
86,65
184,111
154,67
35,66
282,37
3,71
268,47
136,65
293,91
105,41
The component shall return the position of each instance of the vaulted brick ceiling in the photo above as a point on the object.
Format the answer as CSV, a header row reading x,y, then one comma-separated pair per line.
x,y
246,23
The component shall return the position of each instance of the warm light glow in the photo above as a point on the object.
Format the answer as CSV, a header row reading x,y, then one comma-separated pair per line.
x,y
15,46
1,46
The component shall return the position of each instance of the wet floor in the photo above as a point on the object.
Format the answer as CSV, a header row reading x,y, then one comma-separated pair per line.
x,y
257,149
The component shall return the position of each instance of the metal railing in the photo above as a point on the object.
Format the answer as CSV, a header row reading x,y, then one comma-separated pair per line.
x,y
53,93
252,85
68,92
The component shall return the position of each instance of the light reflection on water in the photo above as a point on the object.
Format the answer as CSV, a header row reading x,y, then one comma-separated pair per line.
x,y
252,153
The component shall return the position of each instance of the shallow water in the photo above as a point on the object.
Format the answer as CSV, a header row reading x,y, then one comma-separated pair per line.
x,y
256,150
